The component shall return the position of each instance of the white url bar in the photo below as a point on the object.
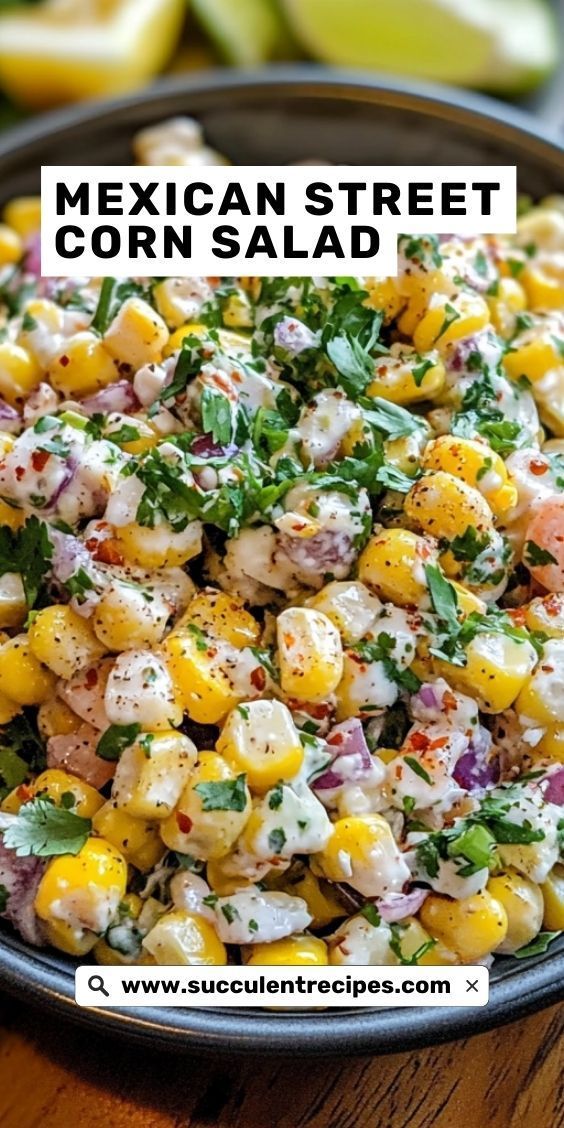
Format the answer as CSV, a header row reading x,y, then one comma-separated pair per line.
x,y
303,987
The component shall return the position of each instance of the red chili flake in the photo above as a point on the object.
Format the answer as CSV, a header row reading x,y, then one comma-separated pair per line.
x,y
107,552
517,615
419,740
438,743
553,605
91,678
64,360
337,738
24,792
19,472
258,679
538,466
184,823
449,701
318,712
39,460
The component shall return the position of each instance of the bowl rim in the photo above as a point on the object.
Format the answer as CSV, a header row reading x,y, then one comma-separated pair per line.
x,y
309,80
41,976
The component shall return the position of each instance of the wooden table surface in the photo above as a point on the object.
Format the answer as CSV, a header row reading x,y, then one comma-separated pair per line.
x,y
60,1076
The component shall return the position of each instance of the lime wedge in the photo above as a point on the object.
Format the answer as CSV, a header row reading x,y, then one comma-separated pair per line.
x,y
498,45
246,32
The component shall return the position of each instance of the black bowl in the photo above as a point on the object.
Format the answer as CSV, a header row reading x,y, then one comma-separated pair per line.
x,y
269,118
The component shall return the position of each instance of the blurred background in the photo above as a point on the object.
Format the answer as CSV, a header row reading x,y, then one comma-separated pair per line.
x,y
53,52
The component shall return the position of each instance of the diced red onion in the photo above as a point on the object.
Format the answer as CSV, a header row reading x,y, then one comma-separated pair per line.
x,y
428,697
320,553
204,446
352,756
32,260
554,787
10,419
69,554
20,877
398,906
476,769
71,466
116,397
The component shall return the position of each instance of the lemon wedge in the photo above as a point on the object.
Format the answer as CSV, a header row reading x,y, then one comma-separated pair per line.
x,y
67,50
498,45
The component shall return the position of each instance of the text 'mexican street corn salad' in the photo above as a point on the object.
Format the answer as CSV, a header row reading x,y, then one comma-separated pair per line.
x,y
282,605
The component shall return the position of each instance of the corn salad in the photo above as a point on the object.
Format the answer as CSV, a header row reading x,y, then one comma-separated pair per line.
x,y
282,605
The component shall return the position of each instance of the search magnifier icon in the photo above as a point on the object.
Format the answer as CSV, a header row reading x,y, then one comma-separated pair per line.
x,y
96,983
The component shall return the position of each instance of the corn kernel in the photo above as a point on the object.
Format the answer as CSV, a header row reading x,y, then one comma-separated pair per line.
x,y
310,654
322,903
533,354
125,619
177,338
392,563
508,301
81,892
523,904
55,718
202,830
201,685
23,214
260,738
305,951
19,372
496,670
180,937
477,465
541,699
362,852
81,366
68,938
383,294
64,641
444,506
471,928
54,783
546,614
543,282
13,518
551,745
11,246
151,774
22,677
137,335
137,839
13,605
553,897
450,319
222,616
405,377
160,547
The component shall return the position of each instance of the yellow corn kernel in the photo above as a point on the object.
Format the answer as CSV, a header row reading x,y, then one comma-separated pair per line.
x,y
552,891
444,506
19,372
137,335
383,294
111,957
64,641
476,464
13,605
350,606
146,439
310,654
260,738
467,601
54,718
413,312
160,547
238,311
405,452
450,319
541,699
546,614
508,300
8,709
497,668
220,615
11,246
356,851
543,282
201,685
471,928
533,354
23,214
151,774
22,677
405,377
172,302
318,895
551,745
54,783
69,939
13,518
81,892
81,366
177,338
137,839
180,937
305,951
222,879
392,563
197,826
522,900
